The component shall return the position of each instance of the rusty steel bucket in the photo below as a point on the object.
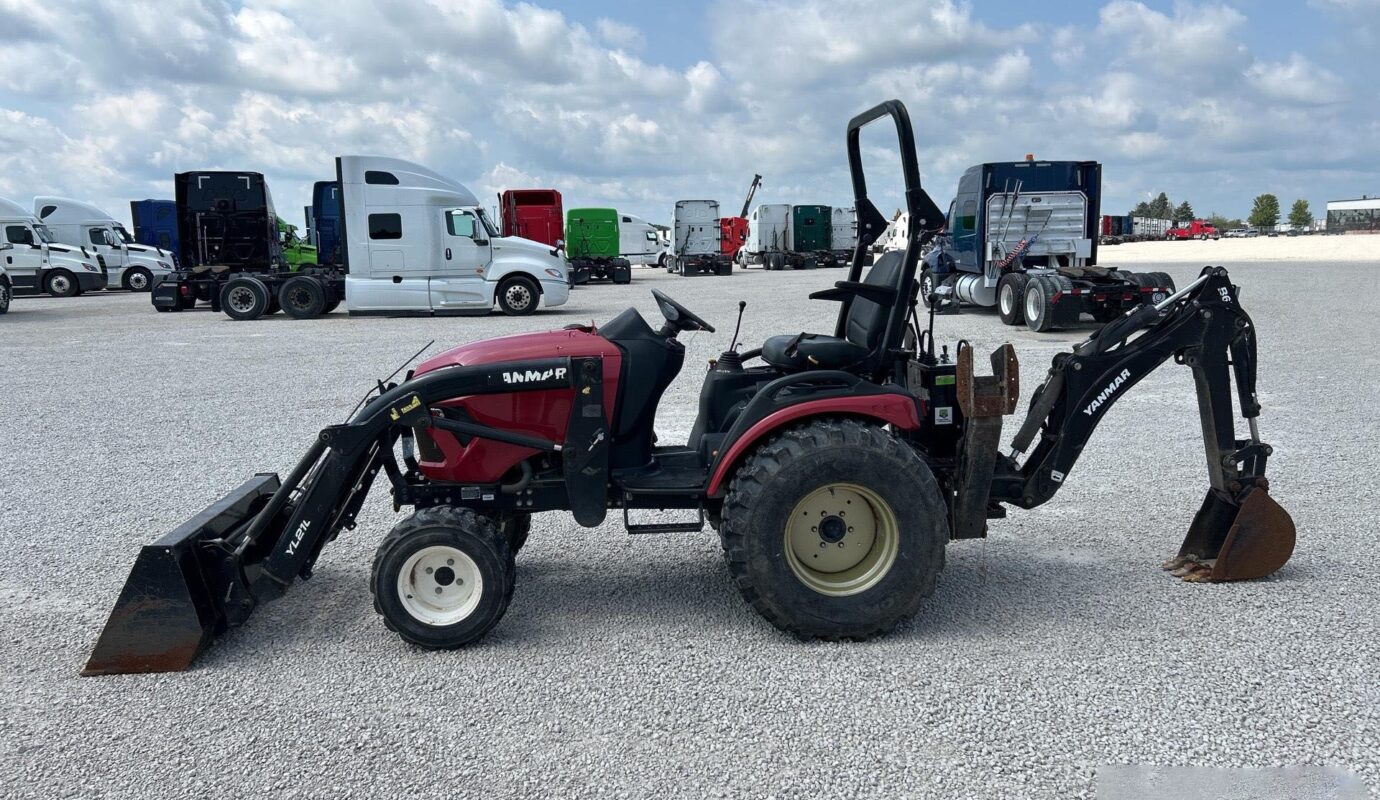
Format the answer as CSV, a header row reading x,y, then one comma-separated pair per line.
x,y
1235,541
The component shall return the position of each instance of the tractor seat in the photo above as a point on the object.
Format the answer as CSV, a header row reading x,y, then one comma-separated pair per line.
x,y
863,330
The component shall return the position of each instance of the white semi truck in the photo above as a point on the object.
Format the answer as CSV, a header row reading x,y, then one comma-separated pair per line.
x,y
638,241
844,233
129,265
414,243
768,238
695,243
36,261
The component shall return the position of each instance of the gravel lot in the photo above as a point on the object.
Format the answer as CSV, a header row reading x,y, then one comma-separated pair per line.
x,y
629,666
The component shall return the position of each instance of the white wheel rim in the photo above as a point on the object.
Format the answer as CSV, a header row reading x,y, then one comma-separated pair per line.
x,y
138,281
60,284
1008,299
841,539
1032,303
440,585
242,299
518,296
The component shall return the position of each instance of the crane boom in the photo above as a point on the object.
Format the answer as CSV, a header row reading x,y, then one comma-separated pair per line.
x,y
752,190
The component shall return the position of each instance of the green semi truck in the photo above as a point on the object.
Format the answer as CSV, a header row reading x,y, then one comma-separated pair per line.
x,y
296,252
592,246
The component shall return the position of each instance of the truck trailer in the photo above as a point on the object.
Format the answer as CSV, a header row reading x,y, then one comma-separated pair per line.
x,y
593,246
128,264
1023,236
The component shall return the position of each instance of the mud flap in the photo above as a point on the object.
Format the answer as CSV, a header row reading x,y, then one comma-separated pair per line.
x,y
168,610
1231,542
586,450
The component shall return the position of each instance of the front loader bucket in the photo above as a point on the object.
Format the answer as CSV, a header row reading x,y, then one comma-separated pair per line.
x,y
168,610
1231,542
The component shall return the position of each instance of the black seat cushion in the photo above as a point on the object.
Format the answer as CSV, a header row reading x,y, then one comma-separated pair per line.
x,y
813,351
863,329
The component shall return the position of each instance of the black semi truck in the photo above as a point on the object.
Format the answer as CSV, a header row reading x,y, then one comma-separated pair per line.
x,y
231,256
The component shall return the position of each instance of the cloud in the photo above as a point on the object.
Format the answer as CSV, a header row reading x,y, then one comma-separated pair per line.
x,y
501,94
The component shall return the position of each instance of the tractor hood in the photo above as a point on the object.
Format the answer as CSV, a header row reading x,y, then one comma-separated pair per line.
x,y
521,347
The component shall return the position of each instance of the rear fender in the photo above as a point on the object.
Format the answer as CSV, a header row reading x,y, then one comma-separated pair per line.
x,y
887,406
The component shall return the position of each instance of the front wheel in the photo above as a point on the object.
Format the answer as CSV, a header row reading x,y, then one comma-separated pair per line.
x,y
6,294
60,283
926,286
518,296
138,279
443,577
834,529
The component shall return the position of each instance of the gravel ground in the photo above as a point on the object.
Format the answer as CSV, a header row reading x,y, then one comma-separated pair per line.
x,y
629,666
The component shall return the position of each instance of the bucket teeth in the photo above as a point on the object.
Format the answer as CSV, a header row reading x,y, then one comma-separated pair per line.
x,y
1190,568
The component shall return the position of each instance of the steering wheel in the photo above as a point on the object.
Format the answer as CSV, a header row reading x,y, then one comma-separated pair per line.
x,y
678,317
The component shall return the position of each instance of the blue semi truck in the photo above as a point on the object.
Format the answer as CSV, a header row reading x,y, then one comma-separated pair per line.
x,y
155,224
324,222
1023,236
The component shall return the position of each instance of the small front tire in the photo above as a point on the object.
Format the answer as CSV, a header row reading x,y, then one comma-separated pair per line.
x,y
137,280
443,577
61,283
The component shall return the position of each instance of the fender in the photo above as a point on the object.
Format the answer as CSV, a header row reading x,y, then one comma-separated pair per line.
x,y
894,408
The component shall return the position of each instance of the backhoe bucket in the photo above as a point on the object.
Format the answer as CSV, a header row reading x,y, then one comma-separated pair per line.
x,y
168,610
1230,542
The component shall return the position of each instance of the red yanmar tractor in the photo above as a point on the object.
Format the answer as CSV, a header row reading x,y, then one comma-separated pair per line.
x,y
835,471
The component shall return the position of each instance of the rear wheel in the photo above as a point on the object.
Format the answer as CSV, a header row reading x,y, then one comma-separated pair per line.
x,y
443,577
137,279
1039,304
834,529
1162,281
60,283
518,296
302,297
1011,297
6,294
245,298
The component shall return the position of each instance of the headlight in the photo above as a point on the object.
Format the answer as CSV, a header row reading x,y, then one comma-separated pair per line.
x,y
88,267
555,273
165,265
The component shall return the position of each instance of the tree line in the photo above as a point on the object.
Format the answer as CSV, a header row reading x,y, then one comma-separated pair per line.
x,y
1265,213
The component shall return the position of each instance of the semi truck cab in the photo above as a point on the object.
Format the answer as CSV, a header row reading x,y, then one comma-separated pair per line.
x,y
128,264
37,262
418,242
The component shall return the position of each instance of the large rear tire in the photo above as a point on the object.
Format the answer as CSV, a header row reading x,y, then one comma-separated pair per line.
x,y
1039,304
1011,297
245,298
834,529
302,297
443,577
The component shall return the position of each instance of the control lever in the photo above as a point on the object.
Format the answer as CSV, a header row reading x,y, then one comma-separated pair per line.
x,y
742,305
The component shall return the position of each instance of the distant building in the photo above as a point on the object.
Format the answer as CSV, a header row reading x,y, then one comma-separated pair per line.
x,y
1354,216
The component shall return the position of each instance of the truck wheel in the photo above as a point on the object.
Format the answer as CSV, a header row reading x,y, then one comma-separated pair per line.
x,y
6,294
302,297
244,298
927,286
443,577
1011,297
137,280
518,296
60,283
1163,280
331,305
834,529
1039,304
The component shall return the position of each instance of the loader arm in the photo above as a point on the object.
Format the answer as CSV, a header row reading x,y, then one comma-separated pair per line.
x,y
249,547
1239,532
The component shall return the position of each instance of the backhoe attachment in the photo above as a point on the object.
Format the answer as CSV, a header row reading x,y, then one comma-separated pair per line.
x,y
1240,532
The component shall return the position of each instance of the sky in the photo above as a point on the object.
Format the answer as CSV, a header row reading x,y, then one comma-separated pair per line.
x,y
635,105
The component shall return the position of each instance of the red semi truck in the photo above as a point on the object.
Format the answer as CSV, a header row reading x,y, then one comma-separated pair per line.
x,y
1197,229
733,232
534,214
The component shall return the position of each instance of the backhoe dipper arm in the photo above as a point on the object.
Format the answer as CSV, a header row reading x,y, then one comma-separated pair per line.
x,y
1202,326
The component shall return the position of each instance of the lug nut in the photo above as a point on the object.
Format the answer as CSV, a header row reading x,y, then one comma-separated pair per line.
x,y
438,590
429,570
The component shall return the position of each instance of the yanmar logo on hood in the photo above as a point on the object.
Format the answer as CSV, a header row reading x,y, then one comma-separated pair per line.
x,y
534,375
